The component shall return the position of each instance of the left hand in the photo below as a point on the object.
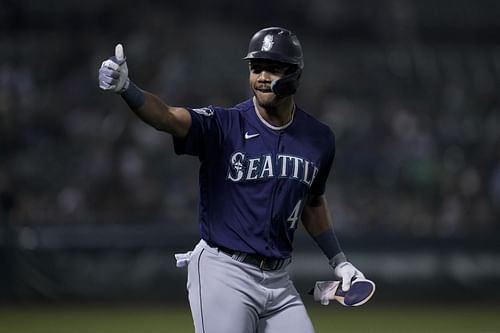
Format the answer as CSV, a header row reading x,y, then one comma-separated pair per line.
x,y
347,273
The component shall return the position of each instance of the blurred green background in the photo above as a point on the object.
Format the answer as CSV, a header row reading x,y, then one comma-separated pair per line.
x,y
374,318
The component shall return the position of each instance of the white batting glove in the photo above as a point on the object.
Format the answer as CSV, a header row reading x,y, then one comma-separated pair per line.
x,y
347,273
113,74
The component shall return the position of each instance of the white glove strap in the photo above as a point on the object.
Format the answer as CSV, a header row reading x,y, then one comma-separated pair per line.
x,y
338,259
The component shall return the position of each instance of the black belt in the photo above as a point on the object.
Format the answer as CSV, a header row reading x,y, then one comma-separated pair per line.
x,y
264,263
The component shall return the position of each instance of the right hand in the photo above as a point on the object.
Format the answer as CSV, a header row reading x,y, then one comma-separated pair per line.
x,y
113,74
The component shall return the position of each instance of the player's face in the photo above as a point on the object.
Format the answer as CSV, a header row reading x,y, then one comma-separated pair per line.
x,y
262,74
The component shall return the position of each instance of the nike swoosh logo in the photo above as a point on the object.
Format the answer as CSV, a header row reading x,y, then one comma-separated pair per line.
x,y
251,136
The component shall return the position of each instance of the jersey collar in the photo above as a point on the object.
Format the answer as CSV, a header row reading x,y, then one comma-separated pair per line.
x,y
267,124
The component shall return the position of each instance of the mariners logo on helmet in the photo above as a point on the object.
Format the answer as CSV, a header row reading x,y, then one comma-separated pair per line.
x,y
267,43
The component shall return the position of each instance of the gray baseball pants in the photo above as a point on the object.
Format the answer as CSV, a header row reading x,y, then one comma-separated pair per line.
x,y
228,296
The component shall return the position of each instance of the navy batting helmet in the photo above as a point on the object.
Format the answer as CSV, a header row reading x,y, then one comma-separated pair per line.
x,y
276,44
279,44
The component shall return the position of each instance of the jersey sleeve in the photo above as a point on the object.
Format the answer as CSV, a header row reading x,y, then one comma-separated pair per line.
x,y
203,136
319,184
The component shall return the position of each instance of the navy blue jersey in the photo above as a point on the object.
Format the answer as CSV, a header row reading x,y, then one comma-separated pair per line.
x,y
254,177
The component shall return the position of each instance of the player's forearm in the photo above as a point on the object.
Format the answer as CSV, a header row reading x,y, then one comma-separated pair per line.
x,y
316,216
317,221
153,111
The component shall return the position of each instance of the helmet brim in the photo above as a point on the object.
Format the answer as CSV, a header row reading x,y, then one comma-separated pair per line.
x,y
274,57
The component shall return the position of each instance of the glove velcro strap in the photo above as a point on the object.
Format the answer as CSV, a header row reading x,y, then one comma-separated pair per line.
x,y
337,260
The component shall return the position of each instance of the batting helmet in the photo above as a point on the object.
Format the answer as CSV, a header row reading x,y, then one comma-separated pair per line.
x,y
279,44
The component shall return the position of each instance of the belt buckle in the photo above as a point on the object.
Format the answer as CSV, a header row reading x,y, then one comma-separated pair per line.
x,y
262,263
265,266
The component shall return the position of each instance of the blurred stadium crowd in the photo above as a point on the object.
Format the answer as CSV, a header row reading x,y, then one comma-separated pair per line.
x,y
411,89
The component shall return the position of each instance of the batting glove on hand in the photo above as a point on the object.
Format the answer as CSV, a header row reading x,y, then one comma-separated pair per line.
x,y
347,273
113,74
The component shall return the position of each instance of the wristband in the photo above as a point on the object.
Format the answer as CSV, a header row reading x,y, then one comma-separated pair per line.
x,y
328,243
133,96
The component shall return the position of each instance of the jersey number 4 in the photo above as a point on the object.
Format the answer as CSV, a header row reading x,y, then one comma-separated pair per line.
x,y
295,215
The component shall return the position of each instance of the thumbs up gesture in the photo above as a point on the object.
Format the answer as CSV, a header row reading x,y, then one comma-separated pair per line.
x,y
113,74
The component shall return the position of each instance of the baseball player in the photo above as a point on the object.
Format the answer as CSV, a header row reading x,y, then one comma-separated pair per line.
x,y
264,166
